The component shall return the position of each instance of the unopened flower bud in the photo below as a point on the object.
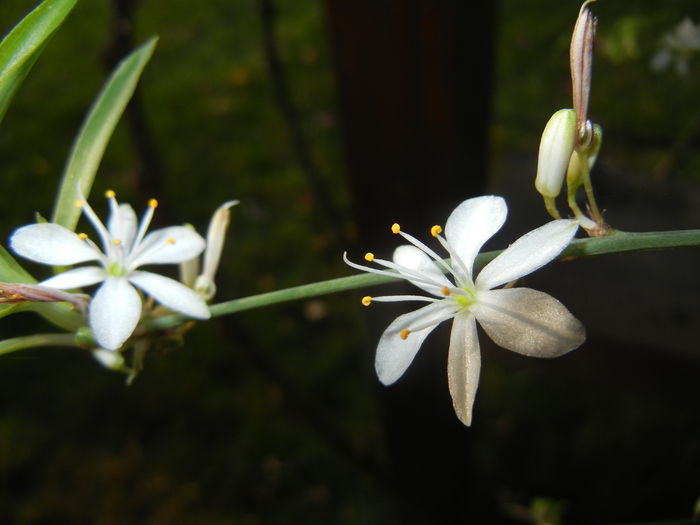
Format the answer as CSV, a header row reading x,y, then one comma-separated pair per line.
x,y
556,147
581,59
216,234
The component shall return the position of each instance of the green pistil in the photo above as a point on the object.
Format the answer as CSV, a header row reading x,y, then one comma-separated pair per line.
x,y
116,270
464,300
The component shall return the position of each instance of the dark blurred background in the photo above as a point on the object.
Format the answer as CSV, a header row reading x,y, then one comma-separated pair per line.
x,y
330,120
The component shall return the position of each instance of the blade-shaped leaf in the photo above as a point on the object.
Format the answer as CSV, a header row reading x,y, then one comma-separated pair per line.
x,y
97,128
11,271
60,314
21,48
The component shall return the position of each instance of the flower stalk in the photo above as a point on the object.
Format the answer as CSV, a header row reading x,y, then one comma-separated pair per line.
x,y
619,242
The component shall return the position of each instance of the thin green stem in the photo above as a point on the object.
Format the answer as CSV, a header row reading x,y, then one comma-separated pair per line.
x,y
38,340
551,205
618,242
571,191
588,187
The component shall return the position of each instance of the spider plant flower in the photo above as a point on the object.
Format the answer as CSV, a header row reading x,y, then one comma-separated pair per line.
x,y
523,320
116,307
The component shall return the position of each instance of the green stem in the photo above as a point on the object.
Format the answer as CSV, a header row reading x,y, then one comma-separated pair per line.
x,y
588,188
551,205
571,190
38,340
618,242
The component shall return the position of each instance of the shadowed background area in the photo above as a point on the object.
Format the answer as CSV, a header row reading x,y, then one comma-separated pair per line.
x,y
330,120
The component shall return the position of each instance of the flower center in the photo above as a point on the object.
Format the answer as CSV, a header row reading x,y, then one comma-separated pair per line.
x,y
116,269
466,299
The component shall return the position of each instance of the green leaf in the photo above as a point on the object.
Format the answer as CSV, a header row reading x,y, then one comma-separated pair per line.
x,y
96,131
7,309
11,271
21,48
60,314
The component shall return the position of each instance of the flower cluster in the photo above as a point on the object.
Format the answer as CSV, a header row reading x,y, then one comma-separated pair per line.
x,y
116,307
523,320
570,141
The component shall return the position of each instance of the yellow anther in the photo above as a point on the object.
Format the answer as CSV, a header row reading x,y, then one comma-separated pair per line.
x,y
82,236
366,300
110,194
445,291
153,203
404,334
116,242
170,240
395,228
436,230
369,257
79,204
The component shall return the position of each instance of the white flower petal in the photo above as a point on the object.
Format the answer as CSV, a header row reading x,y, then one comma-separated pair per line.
x,y
171,293
216,234
175,244
76,278
416,260
471,224
394,354
122,224
463,366
50,243
530,252
529,322
114,312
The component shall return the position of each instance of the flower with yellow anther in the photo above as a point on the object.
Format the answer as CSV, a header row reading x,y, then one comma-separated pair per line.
x,y
115,309
519,319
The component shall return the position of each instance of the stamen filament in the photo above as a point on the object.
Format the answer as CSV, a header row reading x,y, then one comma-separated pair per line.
x,y
97,223
457,261
409,273
145,223
421,246
368,269
433,322
398,298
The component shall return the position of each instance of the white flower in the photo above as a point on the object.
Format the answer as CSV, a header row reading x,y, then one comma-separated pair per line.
x,y
115,309
520,319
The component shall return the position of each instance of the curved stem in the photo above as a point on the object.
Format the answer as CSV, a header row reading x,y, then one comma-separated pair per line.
x,y
618,242
37,340
588,187
551,205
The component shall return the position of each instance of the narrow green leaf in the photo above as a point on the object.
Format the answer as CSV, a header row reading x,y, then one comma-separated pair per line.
x,y
11,271
7,309
60,314
96,131
21,48
33,341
